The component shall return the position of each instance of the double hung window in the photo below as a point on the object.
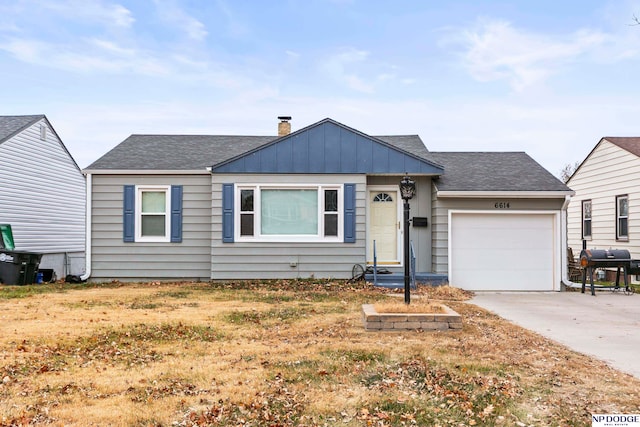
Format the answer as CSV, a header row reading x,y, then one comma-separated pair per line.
x,y
153,207
152,213
288,213
586,219
622,217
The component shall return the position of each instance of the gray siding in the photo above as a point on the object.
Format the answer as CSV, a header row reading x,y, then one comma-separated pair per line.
x,y
440,219
43,197
262,260
113,258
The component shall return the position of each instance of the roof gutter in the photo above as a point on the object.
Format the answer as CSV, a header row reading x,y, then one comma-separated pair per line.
x,y
508,194
145,171
87,222
563,237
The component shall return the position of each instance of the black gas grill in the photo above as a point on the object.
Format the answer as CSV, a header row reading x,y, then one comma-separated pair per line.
x,y
590,259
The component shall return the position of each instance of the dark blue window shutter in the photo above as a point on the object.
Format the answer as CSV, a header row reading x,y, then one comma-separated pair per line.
x,y
349,213
128,215
227,213
176,213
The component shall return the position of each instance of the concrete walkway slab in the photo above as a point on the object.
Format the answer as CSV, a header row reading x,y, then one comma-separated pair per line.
x,y
605,326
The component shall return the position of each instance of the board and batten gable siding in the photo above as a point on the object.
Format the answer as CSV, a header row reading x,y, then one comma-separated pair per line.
x,y
112,258
609,171
274,260
440,219
43,193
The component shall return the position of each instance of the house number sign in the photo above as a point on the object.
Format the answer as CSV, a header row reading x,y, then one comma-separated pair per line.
x,y
502,205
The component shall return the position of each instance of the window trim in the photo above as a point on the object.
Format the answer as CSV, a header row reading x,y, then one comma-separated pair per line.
x,y
257,212
582,222
138,213
619,237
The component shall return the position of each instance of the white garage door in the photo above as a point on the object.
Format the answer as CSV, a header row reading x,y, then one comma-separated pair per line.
x,y
506,251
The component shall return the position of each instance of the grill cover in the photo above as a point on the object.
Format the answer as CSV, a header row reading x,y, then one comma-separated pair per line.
x,y
604,257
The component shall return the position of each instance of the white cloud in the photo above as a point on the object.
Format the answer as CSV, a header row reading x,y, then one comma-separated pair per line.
x,y
553,133
107,13
169,12
87,56
235,27
496,50
113,48
339,66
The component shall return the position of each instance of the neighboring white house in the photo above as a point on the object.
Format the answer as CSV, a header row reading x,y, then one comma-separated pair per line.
x,y
606,207
42,193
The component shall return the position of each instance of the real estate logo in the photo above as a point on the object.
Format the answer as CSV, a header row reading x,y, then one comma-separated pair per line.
x,y
615,420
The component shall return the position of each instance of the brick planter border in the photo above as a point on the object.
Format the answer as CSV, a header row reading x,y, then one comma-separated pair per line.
x,y
374,321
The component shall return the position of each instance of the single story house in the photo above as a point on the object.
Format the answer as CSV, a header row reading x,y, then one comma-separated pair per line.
x,y
311,204
42,193
607,200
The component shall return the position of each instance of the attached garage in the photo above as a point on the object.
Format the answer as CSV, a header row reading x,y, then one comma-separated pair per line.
x,y
504,251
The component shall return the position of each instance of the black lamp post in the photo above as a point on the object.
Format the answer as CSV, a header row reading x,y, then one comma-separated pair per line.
x,y
407,191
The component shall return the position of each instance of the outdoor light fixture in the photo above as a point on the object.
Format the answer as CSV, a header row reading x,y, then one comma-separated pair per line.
x,y
407,191
407,188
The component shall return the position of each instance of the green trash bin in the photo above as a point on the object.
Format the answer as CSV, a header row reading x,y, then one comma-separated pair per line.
x,y
6,241
18,267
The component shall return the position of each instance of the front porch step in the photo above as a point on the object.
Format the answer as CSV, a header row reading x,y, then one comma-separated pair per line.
x,y
396,280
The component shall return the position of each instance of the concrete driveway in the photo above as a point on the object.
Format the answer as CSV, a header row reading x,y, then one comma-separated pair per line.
x,y
605,326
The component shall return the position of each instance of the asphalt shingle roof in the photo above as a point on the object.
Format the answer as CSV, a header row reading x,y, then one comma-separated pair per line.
x,y
409,143
176,152
631,144
493,171
11,125
196,152
463,171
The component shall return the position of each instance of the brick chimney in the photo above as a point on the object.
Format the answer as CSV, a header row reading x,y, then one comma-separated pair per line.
x,y
284,127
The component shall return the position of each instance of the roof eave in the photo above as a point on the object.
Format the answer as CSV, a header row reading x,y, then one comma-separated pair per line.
x,y
589,155
37,118
507,194
204,171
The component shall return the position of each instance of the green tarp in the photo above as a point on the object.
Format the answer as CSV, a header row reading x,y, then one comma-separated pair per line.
x,y
7,237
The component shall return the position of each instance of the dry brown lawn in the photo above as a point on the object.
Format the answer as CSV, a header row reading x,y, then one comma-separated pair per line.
x,y
280,354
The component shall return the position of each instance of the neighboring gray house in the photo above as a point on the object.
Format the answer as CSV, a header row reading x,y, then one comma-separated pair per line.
x,y
42,193
310,204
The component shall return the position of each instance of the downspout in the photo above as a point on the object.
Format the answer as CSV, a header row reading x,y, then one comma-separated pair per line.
x,y
87,244
563,236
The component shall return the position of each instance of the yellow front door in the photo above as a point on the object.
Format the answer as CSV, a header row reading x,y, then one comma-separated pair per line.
x,y
384,226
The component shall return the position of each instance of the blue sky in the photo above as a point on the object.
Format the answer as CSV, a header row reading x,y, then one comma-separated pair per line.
x,y
546,77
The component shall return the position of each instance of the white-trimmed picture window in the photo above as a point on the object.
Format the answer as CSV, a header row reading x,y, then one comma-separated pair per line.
x,y
289,213
622,217
153,207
